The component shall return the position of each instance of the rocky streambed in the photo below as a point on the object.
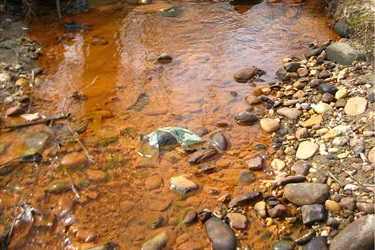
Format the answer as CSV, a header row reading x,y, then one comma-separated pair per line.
x,y
318,193
321,120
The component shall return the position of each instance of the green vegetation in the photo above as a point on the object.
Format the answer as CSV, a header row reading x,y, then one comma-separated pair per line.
x,y
359,16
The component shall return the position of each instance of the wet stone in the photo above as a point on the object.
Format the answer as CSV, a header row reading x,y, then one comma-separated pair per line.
x,y
290,113
357,235
237,221
282,245
246,178
313,213
190,216
306,150
355,106
245,199
164,58
153,182
182,185
219,141
74,159
313,52
157,242
292,66
15,111
278,211
319,242
96,175
253,100
201,155
305,236
246,118
220,234
301,167
245,74
306,193
269,125
255,163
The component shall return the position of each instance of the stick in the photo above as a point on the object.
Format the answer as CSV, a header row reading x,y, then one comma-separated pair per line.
x,y
72,184
76,137
46,120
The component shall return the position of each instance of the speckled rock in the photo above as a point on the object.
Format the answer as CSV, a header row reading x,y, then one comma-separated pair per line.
x,y
313,213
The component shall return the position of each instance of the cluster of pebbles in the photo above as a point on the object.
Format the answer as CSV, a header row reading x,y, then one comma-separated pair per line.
x,y
321,121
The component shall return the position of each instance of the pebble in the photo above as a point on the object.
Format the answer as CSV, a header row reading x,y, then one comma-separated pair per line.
x,y
327,88
332,206
245,74
153,182
371,155
246,118
253,100
201,156
278,211
260,208
290,113
302,72
302,133
341,93
322,108
237,221
340,141
190,216
306,150
306,193
245,199
157,242
182,185
269,125
327,98
282,245
5,77
365,207
74,159
256,162
277,164
301,167
355,106
319,242
15,111
313,120
219,141
220,234
313,213
164,58
357,235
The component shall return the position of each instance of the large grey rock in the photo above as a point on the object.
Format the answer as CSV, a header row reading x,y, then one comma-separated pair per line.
x,y
220,234
306,193
343,53
357,235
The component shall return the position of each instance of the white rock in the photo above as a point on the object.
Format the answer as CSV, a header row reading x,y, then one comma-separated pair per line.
x,y
322,108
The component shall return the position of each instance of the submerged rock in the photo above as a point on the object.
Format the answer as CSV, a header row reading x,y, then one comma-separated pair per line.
x,y
246,118
201,155
219,141
220,234
182,185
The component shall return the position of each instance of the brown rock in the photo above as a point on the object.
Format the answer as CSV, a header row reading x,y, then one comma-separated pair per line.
x,y
74,159
302,72
355,106
245,74
302,133
269,125
313,120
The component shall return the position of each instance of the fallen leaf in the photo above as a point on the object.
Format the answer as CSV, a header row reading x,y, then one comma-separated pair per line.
x,y
31,117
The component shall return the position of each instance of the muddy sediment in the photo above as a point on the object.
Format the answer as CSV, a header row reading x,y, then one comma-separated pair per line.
x,y
313,175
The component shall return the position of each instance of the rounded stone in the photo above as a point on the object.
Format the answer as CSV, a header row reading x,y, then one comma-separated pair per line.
x,y
220,234
245,74
306,193
327,88
269,125
355,106
332,206
306,150
246,118
322,108
371,155
74,159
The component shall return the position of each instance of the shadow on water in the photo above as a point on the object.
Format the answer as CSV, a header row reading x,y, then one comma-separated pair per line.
x,y
107,76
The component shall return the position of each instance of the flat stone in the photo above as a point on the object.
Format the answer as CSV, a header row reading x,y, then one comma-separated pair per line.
x,y
237,221
366,207
220,234
302,133
313,120
245,199
355,106
302,72
306,150
269,125
201,156
182,185
290,113
255,163
306,193
292,66
313,213
357,235
327,88
153,182
315,83
253,100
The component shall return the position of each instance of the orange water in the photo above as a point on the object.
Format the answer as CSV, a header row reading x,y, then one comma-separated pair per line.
x,y
209,42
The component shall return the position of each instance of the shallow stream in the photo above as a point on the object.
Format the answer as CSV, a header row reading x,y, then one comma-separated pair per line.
x,y
107,77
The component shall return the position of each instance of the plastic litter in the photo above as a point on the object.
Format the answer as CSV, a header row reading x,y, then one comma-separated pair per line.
x,y
149,145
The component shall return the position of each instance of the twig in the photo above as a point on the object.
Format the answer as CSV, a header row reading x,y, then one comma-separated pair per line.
x,y
72,184
76,137
46,120
333,177
93,81
58,9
